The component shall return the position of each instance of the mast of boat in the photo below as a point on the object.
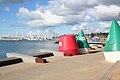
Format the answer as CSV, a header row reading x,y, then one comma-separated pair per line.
x,y
16,34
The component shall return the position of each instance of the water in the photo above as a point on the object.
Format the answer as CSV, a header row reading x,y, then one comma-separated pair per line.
x,y
25,47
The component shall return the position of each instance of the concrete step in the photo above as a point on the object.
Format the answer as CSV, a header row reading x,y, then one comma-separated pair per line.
x,y
55,53
27,58
9,61
43,54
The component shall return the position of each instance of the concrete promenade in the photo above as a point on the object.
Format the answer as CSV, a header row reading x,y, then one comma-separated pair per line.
x,y
82,67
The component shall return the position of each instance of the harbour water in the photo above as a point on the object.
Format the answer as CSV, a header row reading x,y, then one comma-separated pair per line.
x,y
25,47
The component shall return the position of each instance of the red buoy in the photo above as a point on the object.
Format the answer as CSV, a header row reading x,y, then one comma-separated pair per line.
x,y
68,44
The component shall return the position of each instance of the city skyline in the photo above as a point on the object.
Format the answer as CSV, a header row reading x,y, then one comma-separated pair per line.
x,y
51,17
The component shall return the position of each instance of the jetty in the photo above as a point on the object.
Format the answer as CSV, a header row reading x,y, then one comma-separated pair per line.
x,y
81,67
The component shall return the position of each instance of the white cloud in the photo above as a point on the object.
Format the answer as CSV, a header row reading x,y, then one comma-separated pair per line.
x,y
71,7
101,9
33,23
12,1
30,24
99,29
88,18
73,19
41,33
45,19
109,2
105,24
71,12
25,13
83,26
7,9
79,5
106,13
2,20
51,19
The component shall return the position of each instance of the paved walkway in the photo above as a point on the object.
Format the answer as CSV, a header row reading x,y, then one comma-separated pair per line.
x,y
82,67
116,74
113,73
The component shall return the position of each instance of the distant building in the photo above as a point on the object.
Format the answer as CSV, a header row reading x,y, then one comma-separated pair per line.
x,y
98,37
101,37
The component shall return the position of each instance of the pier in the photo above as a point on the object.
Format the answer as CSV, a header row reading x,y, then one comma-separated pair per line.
x,y
83,67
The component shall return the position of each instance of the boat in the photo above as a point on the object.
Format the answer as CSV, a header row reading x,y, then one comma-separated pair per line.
x,y
32,39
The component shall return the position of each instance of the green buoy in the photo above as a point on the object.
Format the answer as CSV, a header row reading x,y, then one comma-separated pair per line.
x,y
82,42
112,45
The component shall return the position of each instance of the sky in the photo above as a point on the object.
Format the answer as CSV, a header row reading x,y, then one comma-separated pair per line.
x,y
56,17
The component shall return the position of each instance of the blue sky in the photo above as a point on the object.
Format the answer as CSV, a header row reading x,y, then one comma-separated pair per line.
x,y
8,15
51,17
